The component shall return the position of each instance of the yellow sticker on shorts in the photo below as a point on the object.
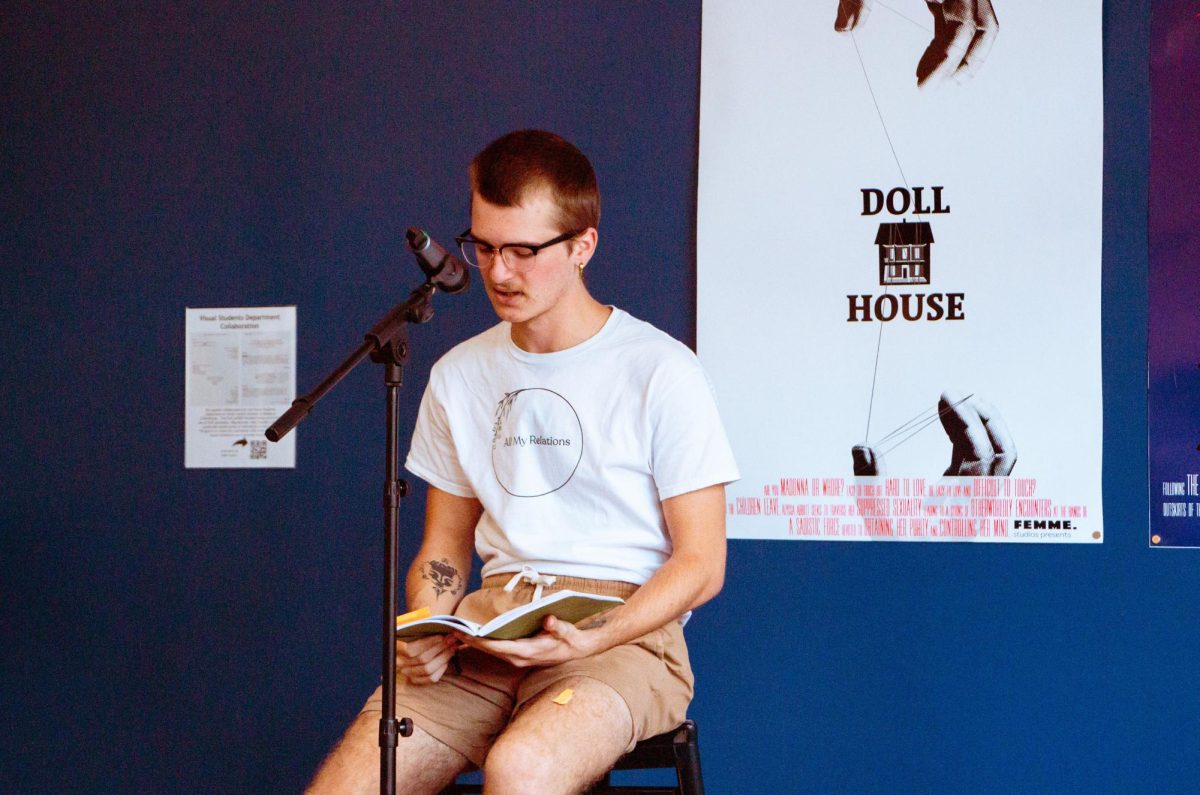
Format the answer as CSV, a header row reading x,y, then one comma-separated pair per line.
x,y
564,696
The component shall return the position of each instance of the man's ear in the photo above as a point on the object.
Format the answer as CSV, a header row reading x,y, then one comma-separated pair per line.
x,y
583,246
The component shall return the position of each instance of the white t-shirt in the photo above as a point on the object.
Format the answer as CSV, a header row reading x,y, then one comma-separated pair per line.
x,y
572,452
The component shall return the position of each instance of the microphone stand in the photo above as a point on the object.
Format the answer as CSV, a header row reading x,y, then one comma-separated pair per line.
x,y
387,344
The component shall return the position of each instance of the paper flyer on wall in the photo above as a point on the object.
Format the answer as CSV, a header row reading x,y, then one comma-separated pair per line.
x,y
240,374
899,231
1174,290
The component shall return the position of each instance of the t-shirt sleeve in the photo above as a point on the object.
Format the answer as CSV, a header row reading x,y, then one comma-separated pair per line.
x,y
690,450
433,456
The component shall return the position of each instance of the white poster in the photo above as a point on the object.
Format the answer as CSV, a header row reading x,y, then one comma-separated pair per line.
x,y
898,246
240,375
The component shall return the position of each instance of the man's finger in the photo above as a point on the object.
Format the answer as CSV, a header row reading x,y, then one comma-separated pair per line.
x,y
436,649
430,670
563,631
418,646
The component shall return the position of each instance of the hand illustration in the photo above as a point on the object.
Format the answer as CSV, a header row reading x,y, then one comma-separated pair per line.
x,y
963,34
850,13
980,441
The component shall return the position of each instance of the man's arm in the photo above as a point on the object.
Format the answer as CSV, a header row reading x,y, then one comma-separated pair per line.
x,y
437,579
693,574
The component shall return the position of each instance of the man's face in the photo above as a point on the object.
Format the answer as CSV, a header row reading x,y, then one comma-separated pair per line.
x,y
534,295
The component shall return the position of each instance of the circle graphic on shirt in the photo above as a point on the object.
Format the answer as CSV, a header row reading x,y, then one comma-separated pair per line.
x,y
537,442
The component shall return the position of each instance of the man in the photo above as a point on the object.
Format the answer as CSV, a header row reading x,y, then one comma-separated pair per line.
x,y
574,447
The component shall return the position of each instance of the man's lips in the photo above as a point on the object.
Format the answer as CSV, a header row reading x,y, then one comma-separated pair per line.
x,y
506,295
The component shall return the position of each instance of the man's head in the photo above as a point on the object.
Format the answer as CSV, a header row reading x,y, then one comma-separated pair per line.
x,y
534,210
517,166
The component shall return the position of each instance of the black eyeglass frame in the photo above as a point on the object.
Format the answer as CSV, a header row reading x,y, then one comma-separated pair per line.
x,y
466,238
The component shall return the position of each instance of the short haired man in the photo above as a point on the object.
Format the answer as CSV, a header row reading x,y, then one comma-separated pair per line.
x,y
574,447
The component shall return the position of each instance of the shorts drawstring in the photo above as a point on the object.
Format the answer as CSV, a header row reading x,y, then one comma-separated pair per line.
x,y
534,578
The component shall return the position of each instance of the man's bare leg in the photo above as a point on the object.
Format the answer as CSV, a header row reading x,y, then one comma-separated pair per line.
x,y
423,764
551,748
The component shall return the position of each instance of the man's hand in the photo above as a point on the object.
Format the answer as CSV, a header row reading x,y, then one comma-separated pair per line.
x,y
963,34
979,438
558,642
423,661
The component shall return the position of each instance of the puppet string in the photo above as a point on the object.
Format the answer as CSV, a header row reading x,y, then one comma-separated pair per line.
x,y
921,421
904,179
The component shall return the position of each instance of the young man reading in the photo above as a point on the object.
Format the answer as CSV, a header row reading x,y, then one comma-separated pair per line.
x,y
572,446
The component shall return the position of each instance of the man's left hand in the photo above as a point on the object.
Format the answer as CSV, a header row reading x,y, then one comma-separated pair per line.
x,y
558,642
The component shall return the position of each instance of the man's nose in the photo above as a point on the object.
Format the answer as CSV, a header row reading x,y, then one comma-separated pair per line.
x,y
499,270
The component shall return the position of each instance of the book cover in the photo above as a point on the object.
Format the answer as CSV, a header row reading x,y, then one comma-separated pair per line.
x,y
520,622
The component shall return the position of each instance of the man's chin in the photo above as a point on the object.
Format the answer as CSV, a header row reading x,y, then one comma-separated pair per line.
x,y
506,311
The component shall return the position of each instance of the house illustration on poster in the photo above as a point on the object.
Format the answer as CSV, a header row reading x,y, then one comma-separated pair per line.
x,y
904,252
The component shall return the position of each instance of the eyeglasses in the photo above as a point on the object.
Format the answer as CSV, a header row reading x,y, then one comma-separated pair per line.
x,y
518,256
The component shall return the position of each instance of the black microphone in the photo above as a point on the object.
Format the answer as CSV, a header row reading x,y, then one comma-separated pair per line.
x,y
444,270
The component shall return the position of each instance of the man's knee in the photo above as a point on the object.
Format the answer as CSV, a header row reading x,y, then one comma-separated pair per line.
x,y
521,765
550,748
423,763
347,769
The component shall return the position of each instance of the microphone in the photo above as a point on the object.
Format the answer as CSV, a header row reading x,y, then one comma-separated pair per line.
x,y
444,270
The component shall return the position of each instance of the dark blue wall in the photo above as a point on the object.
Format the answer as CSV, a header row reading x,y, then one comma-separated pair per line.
x,y
170,630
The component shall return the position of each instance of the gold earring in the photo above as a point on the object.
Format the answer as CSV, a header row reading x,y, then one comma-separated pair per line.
x,y
580,266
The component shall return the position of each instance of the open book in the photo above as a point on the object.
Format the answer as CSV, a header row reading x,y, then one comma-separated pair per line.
x,y
520,622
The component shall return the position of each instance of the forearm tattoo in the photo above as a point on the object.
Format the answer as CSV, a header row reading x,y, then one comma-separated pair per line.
x,y
593,623
442,576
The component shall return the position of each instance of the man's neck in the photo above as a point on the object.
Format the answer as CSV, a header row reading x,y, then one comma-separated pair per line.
x,y
562,329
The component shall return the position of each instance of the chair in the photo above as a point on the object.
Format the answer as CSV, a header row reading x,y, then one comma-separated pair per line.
x,y
678,748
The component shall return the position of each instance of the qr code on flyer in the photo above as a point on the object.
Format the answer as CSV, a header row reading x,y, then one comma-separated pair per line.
x,y
258,450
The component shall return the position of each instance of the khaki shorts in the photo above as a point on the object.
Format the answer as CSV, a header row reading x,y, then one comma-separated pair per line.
x,y
468,710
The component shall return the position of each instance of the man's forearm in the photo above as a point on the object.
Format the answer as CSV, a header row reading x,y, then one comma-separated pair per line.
x,y
436,581
680,585
693,574
438,575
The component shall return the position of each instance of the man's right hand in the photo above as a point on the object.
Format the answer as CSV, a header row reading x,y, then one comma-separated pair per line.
x,y
423,661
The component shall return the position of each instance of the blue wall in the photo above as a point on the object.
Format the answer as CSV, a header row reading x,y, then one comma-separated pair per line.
x,y
171,630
